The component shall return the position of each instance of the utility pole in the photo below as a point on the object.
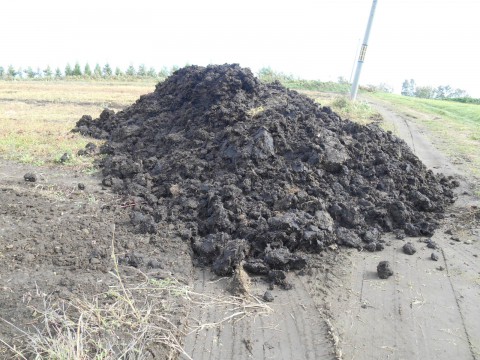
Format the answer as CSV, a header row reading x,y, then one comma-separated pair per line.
x,y
363,51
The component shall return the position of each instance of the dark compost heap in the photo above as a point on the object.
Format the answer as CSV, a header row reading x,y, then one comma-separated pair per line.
x,y
251,172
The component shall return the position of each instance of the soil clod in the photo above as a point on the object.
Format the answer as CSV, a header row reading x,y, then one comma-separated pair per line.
x,y
65,157
409,249
30,177
268,297
90,149
384,270
278,277
431,244
434,257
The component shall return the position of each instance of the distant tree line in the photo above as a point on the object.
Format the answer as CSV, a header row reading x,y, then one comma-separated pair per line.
x,y
409,88
85,72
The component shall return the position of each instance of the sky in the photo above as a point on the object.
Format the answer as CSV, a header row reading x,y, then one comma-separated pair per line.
x,y
433,42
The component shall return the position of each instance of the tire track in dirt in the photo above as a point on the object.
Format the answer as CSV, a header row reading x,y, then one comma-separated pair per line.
x,y
294,330
410,316
461,311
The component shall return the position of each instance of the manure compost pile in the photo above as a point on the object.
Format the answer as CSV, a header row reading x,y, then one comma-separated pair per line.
x,y
257,174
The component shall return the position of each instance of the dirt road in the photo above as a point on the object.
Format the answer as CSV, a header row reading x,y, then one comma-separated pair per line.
x,y
292,329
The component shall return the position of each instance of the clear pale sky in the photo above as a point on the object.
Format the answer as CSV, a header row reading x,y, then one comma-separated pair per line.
x,y
435,42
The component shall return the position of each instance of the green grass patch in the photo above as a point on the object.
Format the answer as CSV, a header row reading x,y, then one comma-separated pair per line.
x,y
358,111
455,126
464,116
317,85
268,75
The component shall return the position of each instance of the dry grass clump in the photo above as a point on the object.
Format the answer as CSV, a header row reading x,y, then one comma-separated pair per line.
x,y
134,319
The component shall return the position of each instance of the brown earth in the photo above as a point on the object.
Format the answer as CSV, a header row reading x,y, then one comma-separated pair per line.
x,y
56,243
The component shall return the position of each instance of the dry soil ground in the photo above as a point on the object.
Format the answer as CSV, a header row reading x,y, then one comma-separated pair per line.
x,y
56,241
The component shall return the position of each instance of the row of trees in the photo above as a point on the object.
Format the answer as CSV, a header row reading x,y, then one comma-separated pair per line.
x,y
409,88
77,71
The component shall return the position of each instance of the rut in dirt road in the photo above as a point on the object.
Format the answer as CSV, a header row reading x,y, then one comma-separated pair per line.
x,y
251,172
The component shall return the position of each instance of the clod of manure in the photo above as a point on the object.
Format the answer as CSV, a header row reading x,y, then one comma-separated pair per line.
x,y
65,157
268,297
431,244
31,177
384,270
409,249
